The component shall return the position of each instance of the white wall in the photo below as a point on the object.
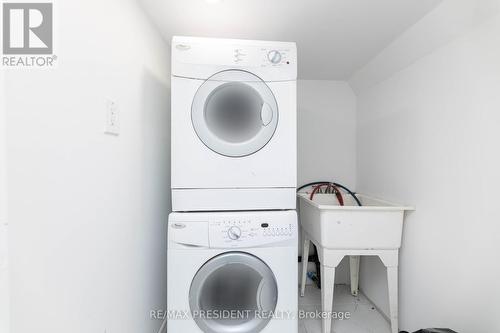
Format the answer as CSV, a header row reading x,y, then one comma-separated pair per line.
x,y
327,138
326,132
428,135
4,274
87,211
451,19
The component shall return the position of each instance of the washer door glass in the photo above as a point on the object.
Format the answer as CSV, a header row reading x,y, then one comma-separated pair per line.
x,y
233,292
234,113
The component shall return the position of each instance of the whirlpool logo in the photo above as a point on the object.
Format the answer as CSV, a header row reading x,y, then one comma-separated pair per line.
x,y
28,34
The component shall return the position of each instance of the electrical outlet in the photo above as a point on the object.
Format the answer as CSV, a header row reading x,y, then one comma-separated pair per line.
x,y
112,118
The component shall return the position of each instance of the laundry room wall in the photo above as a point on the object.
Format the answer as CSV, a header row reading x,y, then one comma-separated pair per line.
x,y
87,210
4,273
428,136
326,121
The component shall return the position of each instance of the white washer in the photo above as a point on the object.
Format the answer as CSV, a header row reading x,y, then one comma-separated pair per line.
x,y
234,141
232,272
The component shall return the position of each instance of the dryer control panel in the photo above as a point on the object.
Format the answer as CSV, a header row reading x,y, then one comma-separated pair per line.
x,y
201,58
250,231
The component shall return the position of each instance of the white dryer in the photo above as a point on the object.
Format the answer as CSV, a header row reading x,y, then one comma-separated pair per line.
x,y
234,141
232,272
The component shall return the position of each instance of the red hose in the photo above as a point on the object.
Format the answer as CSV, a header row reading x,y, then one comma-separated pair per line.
x,y
329,186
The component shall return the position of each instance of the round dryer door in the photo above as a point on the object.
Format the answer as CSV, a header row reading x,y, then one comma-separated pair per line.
x,y
234,113
233,292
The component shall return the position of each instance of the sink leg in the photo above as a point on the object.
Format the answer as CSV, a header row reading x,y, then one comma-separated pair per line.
x,y
354,269
390,260
305,260
327,290
392,280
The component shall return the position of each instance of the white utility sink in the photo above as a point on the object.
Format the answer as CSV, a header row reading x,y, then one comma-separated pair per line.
x,y
373,229
377,224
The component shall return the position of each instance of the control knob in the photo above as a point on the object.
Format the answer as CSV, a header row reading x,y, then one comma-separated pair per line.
x,y
234,233
274,56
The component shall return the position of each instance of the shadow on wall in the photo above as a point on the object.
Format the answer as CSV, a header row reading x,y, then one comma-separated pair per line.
x,y
156,201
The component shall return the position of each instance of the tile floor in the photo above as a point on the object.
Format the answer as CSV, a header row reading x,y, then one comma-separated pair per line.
x,y
364,318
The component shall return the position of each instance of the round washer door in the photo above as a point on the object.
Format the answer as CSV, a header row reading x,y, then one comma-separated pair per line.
x,y
234,113
233,292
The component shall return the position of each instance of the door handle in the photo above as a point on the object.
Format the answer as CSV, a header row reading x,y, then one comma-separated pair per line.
x,y
266,114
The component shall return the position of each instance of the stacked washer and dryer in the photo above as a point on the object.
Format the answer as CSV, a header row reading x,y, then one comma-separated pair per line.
x,y
232,236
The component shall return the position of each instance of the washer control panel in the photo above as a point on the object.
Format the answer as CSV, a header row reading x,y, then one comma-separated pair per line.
x,y
250,232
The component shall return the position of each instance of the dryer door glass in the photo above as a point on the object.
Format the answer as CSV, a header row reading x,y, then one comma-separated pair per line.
x,y
233,292
234,113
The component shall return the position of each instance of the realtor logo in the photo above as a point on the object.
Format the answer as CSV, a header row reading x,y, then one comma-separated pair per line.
x,y
28,35
27,28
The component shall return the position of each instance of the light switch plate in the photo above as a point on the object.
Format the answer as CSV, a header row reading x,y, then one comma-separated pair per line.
x,y
112,118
